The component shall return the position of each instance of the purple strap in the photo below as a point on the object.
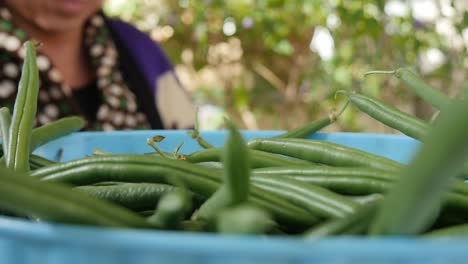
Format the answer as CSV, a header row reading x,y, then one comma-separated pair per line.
x,y
145,51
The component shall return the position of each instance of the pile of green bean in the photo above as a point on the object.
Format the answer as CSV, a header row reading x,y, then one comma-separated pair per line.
x,y
280,186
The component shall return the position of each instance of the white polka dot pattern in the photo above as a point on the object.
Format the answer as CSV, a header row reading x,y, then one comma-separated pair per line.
x,y
43,63
7,88
11,43
11,70
118,108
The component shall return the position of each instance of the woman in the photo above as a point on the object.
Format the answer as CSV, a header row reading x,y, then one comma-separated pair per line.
x,y
102,69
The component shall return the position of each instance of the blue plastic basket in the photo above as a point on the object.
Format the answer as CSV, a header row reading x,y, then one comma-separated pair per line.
x,y
27,242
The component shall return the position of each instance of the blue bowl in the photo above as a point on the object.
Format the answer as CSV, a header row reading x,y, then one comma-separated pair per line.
x,y
29,242
78,145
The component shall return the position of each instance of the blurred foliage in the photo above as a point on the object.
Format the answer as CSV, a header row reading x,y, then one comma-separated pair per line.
x,y
255,60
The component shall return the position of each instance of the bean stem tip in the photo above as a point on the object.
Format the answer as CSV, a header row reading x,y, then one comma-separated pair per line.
x,y
379,72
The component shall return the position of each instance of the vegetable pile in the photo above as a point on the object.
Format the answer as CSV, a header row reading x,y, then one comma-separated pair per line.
x,y
285,185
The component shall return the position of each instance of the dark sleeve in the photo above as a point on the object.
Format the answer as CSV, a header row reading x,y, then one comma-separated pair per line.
x,y
134,76
144,64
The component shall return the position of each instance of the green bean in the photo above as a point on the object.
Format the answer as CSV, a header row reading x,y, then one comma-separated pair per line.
x,y
244,219
111,170
448,218
432,96
5,121
146,213
302,172
149,160
56,129
134,196
324,152
354,185
236,166
357,181
142,168
456,202
366,199
18,149
428,177
152,143
192,226
259,159
310,128
449,232
211,164
36,162
195,134
319,201
288,214
388,115
172,209
337,178
235,188
51,201
356,223
344,180
98,151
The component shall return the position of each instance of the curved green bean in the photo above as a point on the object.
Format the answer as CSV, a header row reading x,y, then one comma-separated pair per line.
x,y
18,149
430,95
388,115
311,128
428,177
258,159
51,201
56,129
236,173
134,196
324,152
143,168
5,121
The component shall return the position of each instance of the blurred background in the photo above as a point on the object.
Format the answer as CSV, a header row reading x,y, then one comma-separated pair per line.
x,y
276,64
